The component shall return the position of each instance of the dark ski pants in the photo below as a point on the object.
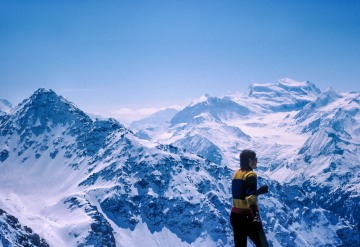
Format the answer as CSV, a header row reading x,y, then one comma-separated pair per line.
x,y
243,227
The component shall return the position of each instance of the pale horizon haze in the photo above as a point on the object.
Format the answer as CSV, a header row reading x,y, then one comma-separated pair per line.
x,y
128,59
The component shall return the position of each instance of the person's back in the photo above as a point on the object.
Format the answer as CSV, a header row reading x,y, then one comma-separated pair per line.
x,y
245,218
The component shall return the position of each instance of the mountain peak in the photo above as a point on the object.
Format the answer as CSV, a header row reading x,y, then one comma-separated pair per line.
x,y
157,119
293,83
300,88
284,86
43,90
328,96
209,108
284,95
44,95
46,106
202,99
331,91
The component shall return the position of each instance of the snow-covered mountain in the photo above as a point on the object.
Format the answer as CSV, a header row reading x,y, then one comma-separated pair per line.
x,y
308,143
211,108
328,161
284,95
71,180
80,182
154,120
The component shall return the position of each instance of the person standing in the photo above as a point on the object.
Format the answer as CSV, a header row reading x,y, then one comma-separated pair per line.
x,y
245,218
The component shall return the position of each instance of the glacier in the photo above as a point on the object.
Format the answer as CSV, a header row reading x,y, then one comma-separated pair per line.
x,y
69,179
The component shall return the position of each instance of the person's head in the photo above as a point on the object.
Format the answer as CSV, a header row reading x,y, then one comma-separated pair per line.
x,y
248,160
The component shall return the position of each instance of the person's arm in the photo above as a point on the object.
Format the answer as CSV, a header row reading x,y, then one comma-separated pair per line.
x,y
251,189
251,198
263,189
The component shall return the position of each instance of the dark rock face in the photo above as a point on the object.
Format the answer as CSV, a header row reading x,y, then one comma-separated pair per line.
x,y
101,233
12,233
160,202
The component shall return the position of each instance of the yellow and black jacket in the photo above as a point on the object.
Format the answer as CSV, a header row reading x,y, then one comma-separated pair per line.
x,y
244,186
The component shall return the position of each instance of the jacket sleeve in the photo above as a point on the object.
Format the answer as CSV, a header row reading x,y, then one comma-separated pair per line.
x,y
251,188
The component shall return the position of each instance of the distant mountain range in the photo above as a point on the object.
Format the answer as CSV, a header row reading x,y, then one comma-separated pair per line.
x,y
71,180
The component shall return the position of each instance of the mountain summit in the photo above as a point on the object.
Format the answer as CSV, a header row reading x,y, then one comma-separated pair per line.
x,y
46,107
284,95
209,107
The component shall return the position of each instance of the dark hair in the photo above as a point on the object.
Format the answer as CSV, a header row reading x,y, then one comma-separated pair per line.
x,y
245,157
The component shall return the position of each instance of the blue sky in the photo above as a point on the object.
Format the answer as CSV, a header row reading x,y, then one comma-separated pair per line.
x,y
111,56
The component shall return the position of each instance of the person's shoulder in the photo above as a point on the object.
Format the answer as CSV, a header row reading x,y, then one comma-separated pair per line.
x,y
244,174
250,174
238,174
